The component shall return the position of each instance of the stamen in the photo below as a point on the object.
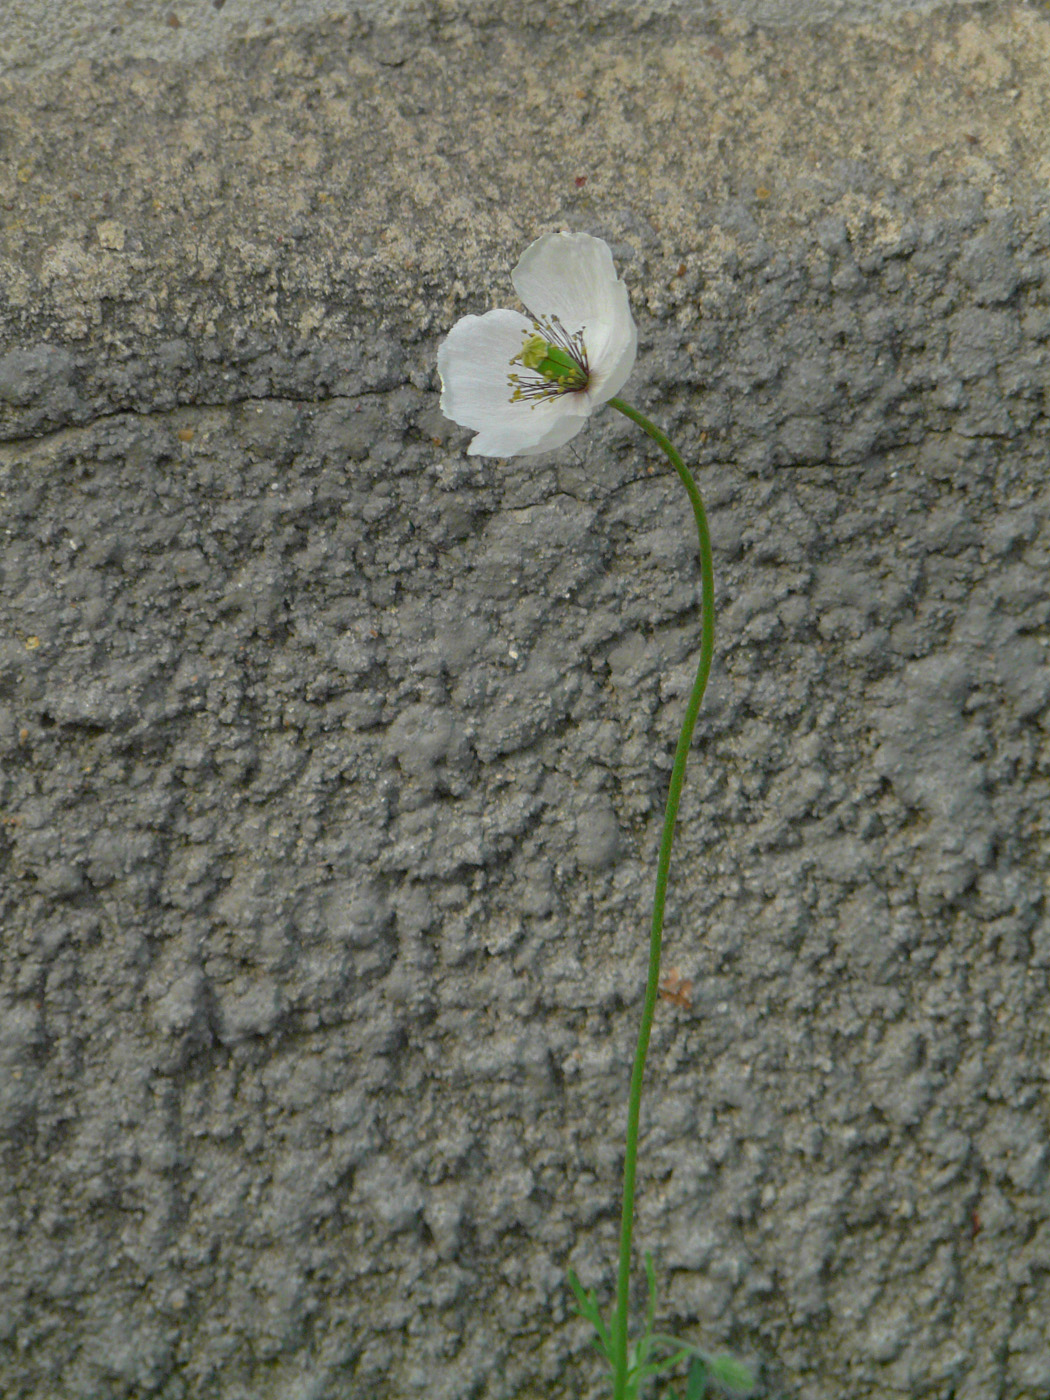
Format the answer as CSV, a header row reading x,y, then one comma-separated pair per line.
x,y
557,359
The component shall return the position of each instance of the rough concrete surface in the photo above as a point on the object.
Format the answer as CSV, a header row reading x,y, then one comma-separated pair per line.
x,y
40,34
333,760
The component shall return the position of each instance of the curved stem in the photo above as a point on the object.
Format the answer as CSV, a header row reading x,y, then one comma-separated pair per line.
x,y
707,637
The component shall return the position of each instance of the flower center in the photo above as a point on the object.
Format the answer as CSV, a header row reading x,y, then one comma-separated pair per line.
x,y
556,359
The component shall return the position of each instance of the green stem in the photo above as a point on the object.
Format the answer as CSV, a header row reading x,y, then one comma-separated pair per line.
x,y
634,1106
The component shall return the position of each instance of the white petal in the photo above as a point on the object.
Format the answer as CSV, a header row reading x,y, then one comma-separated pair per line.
x,y
568,275
495,444
611,366
571,276
474,363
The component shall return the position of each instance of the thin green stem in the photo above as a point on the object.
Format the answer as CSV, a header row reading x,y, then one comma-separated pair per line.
x,y
634,1106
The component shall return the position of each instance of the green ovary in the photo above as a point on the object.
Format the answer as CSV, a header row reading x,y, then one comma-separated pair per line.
x,y
552,363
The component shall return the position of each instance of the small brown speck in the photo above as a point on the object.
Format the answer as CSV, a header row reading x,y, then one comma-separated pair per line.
x,y
580,181
185,435
676,989
173,21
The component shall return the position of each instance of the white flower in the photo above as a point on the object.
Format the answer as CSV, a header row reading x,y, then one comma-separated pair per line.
x,y
527,384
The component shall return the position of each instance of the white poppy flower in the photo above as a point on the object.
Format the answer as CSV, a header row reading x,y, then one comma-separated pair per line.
x,y
527,384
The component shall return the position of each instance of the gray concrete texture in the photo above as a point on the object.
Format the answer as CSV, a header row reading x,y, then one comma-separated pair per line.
x,y
37,34
333,760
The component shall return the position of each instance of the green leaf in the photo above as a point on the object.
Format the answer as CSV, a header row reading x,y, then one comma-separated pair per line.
x,y
640,1352
696,1384
657,1368
731,1374
587,1307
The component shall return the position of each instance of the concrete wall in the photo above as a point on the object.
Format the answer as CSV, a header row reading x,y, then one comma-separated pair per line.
x,y
332,761
38,34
